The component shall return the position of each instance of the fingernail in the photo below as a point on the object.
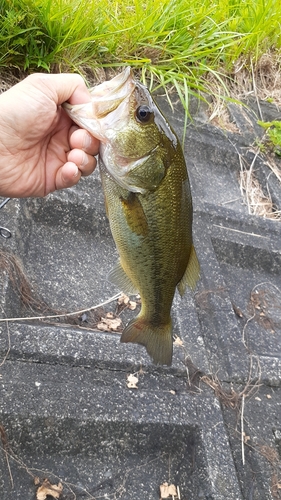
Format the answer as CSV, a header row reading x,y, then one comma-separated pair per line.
x,y
87,140
85,160
76,172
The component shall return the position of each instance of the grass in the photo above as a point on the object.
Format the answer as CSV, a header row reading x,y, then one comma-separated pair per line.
x,y
187,43
273,135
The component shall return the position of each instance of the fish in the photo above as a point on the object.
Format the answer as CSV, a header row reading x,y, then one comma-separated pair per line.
x,y
148,203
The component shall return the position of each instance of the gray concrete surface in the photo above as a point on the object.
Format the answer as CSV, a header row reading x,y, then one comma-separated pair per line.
x,y
66,412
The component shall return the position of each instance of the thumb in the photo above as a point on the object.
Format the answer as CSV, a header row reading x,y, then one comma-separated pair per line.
x,y
62,87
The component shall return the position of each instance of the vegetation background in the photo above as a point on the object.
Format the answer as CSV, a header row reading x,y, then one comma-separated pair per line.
x,y
220,47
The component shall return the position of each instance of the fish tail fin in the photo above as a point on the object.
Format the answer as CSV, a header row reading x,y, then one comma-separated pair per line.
x,y
157,340
191,274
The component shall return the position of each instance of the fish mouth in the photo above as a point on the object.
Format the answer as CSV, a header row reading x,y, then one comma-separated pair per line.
x,y
107,96
107,99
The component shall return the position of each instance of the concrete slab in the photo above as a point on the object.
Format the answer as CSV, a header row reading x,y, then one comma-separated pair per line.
x,y
66,412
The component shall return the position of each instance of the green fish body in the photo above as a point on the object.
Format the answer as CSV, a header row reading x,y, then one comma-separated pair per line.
x,y
148,204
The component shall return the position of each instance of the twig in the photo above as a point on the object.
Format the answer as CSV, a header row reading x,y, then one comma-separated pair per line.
x,y
242,232
248,180
254,313
242,429
5,446
255,90
244,329
66,314
9,345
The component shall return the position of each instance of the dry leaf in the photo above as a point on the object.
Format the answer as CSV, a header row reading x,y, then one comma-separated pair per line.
x,y
246,438
132,381
268,396
124,299
110,323
36,480
258,399
110,315
102,326
172,392
237,311
47,488
178,341
167,491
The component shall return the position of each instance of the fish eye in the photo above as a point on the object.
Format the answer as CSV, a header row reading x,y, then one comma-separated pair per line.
x,y
143,114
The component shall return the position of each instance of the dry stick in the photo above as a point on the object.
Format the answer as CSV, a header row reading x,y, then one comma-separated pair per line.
x,y
244,329
9,345
242,429
254,314
66,314
249,174
255,90
5,447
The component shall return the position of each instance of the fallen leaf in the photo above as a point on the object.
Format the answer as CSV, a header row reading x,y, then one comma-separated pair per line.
x,y
172,392
268,396
132,381
124,299
246,438
258,399
36,480
110,323
102,326
109,315
167,491
237,311
132,305
47,488
178,341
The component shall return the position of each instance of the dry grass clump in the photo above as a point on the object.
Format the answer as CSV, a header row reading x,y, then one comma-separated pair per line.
x,y
257,201
12,267
269,77
9,77
261,79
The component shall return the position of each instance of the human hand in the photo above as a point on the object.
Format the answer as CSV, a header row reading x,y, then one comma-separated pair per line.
x,y
41,149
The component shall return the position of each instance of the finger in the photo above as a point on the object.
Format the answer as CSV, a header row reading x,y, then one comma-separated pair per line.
x,y
81,139
86,163
68,175
61,87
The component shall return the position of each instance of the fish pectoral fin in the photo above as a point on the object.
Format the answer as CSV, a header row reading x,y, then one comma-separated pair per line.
x,y
118,277
157,339
134,214
191,274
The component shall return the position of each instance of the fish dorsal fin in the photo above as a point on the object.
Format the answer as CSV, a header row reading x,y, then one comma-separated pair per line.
x,y
118,277
191,274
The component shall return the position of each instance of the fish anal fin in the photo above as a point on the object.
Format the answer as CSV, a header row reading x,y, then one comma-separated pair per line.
x,y
157,340
118,277
191,274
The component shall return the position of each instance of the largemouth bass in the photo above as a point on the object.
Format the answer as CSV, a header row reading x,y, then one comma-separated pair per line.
x,y
148,204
